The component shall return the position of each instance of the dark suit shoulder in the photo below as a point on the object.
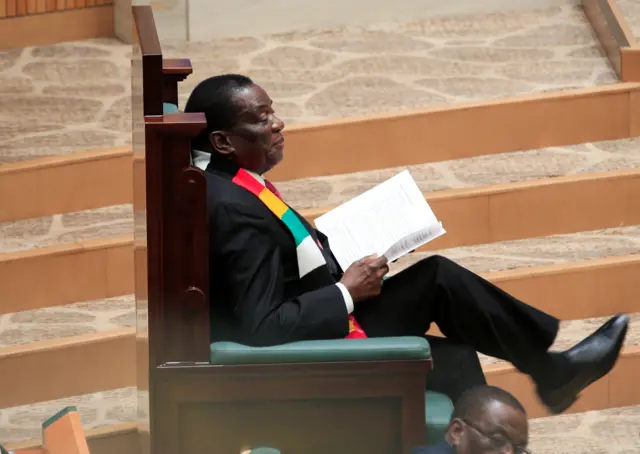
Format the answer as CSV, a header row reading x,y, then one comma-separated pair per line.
x,y
222,191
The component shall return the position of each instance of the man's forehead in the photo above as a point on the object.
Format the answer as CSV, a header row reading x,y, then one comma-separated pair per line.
x,y
252,97
499,417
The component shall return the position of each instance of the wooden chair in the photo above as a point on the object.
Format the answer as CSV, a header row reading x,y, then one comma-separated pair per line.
x,y
61,434
356,395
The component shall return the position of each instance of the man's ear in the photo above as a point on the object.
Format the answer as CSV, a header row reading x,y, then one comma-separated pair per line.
x,y
455,432
221,143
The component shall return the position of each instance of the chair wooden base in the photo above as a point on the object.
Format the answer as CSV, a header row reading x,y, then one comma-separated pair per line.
x,y
317,411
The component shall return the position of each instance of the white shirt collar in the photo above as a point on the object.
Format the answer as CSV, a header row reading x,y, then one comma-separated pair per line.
x,y
201,160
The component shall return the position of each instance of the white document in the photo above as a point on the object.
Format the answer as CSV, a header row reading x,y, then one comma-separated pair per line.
x,y
391,219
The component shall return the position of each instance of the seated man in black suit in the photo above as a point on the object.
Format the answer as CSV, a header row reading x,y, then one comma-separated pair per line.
x,y
486,420
275,279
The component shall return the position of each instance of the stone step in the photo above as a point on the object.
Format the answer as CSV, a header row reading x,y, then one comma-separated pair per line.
x,y
100,409
96,410
317,192
34,233
64,98
350,71
75,96
470,172
68,320
610,431
17,327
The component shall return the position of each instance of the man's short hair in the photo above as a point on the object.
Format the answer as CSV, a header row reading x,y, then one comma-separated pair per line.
x,y
214,97
473,401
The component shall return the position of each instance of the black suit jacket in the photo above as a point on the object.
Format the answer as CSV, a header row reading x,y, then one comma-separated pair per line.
x,y
255,292
442,448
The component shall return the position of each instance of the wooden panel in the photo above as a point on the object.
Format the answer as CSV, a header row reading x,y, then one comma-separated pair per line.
x,y
574,204
618,389
120,270
120,438
47,186
207,428
21,8
634,126
12,8
3,8
630,63
58,368
32,6
66,274
595,397
72,25
455,132
576,290
624,379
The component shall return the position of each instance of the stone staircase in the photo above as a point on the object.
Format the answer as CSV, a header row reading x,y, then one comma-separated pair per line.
x,y
572,247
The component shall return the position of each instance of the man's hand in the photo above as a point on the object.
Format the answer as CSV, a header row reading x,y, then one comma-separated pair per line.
x,y
363,278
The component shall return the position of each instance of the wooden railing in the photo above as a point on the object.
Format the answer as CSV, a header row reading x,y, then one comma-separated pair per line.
x,y
17,8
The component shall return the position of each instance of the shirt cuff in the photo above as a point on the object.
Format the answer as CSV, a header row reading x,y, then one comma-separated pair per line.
x,y
348,301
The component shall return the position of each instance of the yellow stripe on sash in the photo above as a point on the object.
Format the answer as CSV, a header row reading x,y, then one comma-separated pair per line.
x,y
277,206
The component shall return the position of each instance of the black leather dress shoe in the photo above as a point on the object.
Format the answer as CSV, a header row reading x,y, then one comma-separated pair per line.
x,y
590,360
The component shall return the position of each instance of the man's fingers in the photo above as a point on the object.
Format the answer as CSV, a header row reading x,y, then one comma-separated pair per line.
x,y
380,262
369,259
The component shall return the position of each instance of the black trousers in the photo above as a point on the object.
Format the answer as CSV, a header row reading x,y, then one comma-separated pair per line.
x,y
473,314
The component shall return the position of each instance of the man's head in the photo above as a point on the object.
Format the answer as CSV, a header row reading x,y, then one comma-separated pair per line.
x,y
241,123
488,420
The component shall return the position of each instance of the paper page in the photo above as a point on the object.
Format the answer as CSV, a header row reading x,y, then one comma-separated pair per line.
x,y
414,241
374,221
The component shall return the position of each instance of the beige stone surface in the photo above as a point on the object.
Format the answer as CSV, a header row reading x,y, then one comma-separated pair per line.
x,y
66,228
68,320
631,12
612,431
95,410
75,96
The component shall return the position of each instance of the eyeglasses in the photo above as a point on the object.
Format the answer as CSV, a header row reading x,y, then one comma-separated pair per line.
x,y
499,442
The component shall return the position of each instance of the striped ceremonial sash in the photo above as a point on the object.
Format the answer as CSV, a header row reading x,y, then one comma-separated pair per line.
x,y
307,250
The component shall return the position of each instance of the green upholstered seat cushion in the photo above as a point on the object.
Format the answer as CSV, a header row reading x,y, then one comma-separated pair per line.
x,y
168,108
318,351
439,409
264,451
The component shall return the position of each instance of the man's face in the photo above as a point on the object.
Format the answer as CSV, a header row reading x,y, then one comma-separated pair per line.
x,y
255,142
501,429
